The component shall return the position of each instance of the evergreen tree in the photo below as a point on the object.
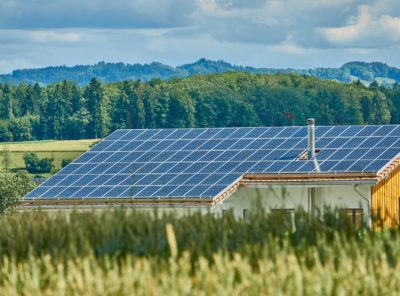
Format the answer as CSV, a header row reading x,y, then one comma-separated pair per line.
x,y
96,104
120,116
57,112
137,107
6,107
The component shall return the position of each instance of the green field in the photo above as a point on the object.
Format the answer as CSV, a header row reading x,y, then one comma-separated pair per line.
x,y
136,253
58,150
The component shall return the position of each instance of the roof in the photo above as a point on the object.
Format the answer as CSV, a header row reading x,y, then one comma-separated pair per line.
x,y
206,163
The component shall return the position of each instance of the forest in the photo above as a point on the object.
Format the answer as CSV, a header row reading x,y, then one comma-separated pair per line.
x,y
64,110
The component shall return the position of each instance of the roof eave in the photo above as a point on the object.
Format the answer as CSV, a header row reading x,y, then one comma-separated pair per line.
x,y
37,203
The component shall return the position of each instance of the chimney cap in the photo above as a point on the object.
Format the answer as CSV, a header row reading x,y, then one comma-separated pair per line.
x,y
311,120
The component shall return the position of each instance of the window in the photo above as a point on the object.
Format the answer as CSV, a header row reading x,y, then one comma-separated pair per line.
x,y
246,214
355,216
284,215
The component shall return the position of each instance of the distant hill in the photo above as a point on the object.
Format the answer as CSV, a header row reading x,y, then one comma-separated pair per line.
x,y
112,72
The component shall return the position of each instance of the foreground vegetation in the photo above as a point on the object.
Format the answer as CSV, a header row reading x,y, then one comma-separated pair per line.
x,y
125,252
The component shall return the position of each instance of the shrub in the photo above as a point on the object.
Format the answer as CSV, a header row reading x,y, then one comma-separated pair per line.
x,y
34,165
12,188
65,162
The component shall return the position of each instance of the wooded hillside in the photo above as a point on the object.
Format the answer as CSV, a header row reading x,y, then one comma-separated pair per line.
x,y
114,72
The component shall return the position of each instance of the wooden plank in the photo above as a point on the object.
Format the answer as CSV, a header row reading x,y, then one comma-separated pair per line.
x,y
385,200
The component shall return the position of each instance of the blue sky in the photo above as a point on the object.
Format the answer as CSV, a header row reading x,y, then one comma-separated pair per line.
x,y
261,33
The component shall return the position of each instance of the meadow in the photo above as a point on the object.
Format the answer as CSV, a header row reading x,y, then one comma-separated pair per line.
x,y
57,150
127,252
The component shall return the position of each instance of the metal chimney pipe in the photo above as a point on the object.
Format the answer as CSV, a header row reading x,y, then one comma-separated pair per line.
x,y
311,138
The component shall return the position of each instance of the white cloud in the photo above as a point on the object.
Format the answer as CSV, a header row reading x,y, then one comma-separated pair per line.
x,y
366,30
44,36
8,37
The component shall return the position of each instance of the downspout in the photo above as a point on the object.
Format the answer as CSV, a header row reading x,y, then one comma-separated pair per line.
x,y
368,205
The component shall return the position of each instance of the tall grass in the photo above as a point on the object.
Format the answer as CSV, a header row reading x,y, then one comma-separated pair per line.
x,y
131,252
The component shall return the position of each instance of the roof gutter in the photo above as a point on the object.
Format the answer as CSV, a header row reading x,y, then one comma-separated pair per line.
x,y
315,183
43,203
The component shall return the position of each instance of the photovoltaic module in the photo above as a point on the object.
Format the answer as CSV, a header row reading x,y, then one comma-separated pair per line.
x,y
203,162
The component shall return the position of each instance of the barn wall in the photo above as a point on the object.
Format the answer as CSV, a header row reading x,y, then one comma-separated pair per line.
x,y
385,200
293,197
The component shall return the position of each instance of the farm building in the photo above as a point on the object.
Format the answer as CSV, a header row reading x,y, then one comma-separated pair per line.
x,y
354,168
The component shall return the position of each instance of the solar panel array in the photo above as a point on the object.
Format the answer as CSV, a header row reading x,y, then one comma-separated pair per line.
x,y
202,163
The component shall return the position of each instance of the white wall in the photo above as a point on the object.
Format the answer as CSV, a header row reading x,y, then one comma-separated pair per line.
x,y
161,209
293,197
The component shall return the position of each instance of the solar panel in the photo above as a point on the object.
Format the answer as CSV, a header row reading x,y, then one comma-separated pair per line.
x,y
99,147
163,179
395,132
307,167
131,135
116,135
116,191
69,191
180,191
179,179
320,131
189,163
197,191
292,166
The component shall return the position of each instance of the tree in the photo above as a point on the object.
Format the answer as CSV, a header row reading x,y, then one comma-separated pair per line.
x,y
21,128
119,116
29,103
59,108
6,107
381,114
244,115
76,125
136,107
12,188
180,109
5,134
96,104
205,113
34,165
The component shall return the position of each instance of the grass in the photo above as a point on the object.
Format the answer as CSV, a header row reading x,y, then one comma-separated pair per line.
x,y
58,150
136,253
